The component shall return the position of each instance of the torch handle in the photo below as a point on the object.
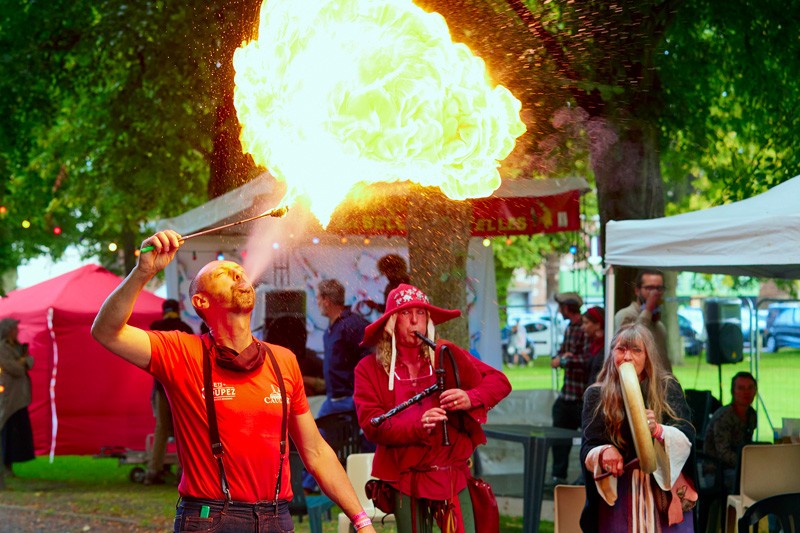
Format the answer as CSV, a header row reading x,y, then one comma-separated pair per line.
x,y
277,212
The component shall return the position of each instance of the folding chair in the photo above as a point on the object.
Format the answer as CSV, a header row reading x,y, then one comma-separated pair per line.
x,y
569,501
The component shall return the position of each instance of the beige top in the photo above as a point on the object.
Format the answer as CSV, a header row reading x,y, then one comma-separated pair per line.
x,y
635,313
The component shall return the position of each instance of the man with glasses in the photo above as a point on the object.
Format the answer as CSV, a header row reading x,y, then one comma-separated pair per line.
x,y
646,310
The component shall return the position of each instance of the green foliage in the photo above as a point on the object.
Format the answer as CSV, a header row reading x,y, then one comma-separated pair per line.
x,y
730,80
108,127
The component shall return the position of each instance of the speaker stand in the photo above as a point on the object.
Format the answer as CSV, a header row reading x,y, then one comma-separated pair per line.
x,y
719,369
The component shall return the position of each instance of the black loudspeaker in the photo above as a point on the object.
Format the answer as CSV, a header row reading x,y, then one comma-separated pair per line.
x,y
281,302
285,319
723,318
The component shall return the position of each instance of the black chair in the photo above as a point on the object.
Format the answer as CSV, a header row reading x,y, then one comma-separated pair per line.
x,y
301,505
702,405
342,432
711,491
784,507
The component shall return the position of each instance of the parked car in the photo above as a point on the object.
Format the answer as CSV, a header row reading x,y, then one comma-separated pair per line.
x,y
538,333
761,325
782,327
692,344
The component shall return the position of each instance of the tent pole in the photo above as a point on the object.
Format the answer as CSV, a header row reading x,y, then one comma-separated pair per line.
x,y
610,304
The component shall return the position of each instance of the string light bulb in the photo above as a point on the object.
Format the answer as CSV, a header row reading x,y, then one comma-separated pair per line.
x,y
487,242
112,247
26,224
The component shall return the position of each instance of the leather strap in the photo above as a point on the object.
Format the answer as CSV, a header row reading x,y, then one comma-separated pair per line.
x,y
217,449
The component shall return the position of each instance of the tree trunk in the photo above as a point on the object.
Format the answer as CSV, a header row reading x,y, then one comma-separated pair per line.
x,y
629,186
552,267
229,166
438,237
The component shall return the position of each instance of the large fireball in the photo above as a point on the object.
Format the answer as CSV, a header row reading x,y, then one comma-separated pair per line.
x,y
336,92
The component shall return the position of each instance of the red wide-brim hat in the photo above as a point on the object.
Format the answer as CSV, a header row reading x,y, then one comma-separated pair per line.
x,y
404,297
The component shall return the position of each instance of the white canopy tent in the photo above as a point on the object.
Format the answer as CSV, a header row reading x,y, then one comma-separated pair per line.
x,y
759,237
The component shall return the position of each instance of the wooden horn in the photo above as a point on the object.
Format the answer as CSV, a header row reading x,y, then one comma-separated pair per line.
x,y
637,418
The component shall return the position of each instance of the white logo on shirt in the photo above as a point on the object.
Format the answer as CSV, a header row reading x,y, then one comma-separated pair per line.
x,y
274,396
221,391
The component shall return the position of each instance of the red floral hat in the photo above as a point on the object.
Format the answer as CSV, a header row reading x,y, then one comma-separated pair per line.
x,y
403,297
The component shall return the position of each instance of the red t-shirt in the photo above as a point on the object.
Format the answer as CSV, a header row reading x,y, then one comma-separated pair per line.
x,y
249,412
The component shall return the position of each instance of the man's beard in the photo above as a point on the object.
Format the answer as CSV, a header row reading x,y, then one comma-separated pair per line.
x,y
243,300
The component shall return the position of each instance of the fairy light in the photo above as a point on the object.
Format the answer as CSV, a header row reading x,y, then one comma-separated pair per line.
x,y
487,242
112,247
26,224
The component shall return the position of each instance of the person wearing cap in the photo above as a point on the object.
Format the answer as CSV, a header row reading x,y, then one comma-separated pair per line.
x,y
428,480
170,321
235,401
15,397
646,310
573,358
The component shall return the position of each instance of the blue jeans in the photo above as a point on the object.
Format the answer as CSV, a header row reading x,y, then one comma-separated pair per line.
x,y
328,407
233,517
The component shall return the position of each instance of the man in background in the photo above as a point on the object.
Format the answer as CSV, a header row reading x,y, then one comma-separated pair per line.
x,y
573,356
646,310
170,321
341,341
731,427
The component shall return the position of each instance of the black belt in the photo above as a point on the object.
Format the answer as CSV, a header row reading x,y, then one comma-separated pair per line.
x,y
268,505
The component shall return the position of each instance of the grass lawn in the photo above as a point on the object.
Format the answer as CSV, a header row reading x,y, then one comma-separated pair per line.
x,y
778,382
89,486
99,487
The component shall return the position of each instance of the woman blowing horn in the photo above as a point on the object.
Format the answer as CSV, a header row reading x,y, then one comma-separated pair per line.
x,y
620,493
425,479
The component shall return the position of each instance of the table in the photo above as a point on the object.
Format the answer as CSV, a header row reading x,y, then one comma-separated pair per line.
x,y
536,442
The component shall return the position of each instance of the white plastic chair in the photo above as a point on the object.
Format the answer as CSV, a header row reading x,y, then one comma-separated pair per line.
x,y
359,466
766,470
569,501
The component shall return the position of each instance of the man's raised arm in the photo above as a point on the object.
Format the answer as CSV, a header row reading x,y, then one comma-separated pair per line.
x,y
110,326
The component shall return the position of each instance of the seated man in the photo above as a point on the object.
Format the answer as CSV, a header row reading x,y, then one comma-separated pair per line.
x,y
732,426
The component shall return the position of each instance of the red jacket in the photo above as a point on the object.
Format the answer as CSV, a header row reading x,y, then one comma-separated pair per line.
x,y
407,456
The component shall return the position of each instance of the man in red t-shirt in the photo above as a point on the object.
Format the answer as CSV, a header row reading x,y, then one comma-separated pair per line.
x,y
248,401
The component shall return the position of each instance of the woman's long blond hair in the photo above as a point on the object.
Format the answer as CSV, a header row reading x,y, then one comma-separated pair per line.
x,y
655,381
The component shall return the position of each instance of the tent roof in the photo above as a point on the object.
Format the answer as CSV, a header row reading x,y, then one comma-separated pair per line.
x,y
81,290
265,192
759,236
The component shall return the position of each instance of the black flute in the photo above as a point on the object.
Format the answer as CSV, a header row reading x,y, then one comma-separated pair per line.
x,y
439,386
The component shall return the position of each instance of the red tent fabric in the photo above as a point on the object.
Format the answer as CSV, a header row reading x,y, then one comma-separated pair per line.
x,y
84,397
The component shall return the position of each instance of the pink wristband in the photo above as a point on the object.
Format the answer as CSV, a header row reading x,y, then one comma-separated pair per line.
x,y
659,434
360,520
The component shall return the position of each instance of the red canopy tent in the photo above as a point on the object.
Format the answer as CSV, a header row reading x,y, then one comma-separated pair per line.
x,y
84,397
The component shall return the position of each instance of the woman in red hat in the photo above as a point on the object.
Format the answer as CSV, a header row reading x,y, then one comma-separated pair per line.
x,y
428,480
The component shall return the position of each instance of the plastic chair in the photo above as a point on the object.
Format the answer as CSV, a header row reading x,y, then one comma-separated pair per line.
x,y
342,432
784,507
359,466
569,501
765,471
301,504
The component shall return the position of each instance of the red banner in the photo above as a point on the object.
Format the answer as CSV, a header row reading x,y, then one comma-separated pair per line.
x,y
490,216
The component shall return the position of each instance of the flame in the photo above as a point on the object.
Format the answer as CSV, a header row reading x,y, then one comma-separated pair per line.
x,y
337,92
